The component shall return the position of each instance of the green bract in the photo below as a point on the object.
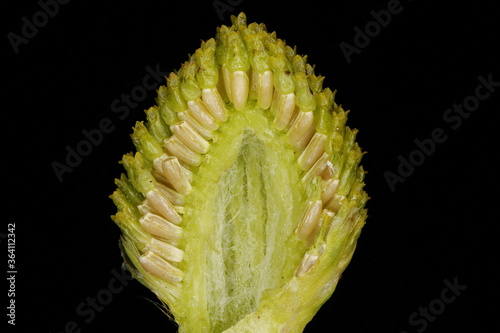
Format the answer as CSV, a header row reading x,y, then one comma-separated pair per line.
x,y
244,201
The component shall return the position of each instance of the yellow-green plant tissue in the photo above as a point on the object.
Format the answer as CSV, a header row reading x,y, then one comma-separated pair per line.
x,y
244,201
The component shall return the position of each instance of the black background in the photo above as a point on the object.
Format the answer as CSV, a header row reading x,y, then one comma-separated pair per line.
x,y
439,224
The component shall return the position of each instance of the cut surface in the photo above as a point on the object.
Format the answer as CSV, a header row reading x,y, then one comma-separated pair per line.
x,y
246,202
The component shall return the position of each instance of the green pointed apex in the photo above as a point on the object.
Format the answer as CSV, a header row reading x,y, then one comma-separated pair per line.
x,y
339,119
335,144
138,172
128,222
324,111
121,201
349,174
167,115
145,142
207,73
174,99
237,54
259,57
189,86
315,82
349,138
258,30
222,46
156,126
257,40
299,63
283,78
304,98
240,21
133,196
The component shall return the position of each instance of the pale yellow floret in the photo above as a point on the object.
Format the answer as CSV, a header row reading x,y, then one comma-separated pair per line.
x,y
215,104
163,206
159,226
165,250
265,90
159,267
283,110
300,127
199,112
177,175
310,218
329,190
313,151
176,148
240,85
202,130
191,138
